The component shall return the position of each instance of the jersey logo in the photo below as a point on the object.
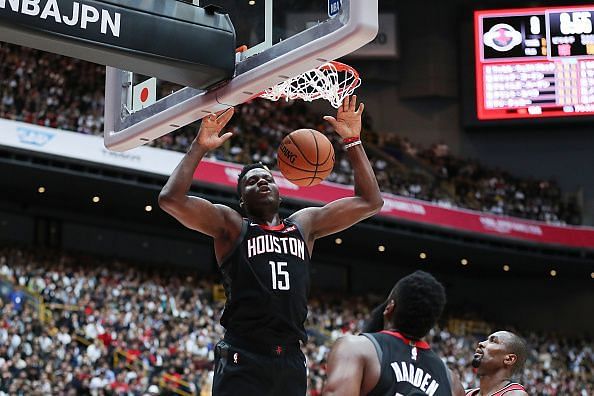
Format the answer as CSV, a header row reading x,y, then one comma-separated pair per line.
x,y
289,229
236,358
413,353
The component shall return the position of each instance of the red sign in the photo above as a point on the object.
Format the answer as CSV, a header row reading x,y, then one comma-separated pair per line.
x,y
225,174
534,62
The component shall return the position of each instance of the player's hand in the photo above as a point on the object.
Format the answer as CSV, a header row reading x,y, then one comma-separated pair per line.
x,y
208,136
348,118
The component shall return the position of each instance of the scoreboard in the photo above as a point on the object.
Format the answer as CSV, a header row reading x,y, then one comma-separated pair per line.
x,y
534,62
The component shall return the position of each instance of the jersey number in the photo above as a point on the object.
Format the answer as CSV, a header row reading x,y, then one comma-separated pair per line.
x,y
280,277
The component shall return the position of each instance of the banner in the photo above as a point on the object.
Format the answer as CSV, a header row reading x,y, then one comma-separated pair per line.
x,y
85,147
162,162
396,207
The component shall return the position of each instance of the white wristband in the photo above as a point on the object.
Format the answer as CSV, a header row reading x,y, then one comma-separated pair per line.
x,y
355,143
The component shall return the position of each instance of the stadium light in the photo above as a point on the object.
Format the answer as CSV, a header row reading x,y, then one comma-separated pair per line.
x,y
41,190
148,208
338,241
381,248
464,261
96,199
553,273
423,255
252,2
592,275
506,268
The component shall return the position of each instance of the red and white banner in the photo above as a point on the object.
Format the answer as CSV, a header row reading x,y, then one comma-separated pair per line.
x,y
162,162
396,207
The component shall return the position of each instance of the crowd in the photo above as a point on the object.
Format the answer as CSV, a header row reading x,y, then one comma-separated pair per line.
x,y
58,92
113,328
467,183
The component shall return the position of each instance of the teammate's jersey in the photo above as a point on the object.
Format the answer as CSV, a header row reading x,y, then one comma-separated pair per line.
x,y
407,367
266,279
507,388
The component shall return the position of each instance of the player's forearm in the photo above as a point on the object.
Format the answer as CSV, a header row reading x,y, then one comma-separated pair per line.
x,y
180,181
366,186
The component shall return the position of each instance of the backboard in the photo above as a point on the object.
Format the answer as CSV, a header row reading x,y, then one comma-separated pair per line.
x,y
283,38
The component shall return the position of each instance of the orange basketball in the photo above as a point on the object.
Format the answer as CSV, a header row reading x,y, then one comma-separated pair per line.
x,y
305,157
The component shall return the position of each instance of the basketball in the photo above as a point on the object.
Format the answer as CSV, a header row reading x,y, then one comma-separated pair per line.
x,y
305,157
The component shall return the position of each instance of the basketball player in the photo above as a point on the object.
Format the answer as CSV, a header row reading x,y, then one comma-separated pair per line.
x,y
264,259
497,359
395,361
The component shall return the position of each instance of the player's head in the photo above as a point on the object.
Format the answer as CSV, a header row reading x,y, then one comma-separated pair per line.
x,y
415,304
502,350
257,189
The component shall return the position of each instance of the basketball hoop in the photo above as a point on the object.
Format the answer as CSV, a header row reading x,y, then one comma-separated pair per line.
x,y
332,81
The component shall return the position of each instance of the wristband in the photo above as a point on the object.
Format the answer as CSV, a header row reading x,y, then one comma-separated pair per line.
x,y
353,144
351,139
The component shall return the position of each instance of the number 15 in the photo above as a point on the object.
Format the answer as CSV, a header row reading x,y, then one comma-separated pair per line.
x,y
282,283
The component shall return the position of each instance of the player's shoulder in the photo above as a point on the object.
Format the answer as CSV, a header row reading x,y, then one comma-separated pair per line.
x,y
514,389
354,344
302,216
233,221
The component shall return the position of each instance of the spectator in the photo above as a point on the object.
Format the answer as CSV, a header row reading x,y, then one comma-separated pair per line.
x,y
65,93
47,358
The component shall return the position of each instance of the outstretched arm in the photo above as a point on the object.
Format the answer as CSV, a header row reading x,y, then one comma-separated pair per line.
x,y
218,221
367,201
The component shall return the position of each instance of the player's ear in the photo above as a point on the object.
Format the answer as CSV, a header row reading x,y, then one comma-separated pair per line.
x,y
510,359
389,310
241,203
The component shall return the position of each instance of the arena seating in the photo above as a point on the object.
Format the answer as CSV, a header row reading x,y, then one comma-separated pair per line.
x,y
67,94
74,324
64,93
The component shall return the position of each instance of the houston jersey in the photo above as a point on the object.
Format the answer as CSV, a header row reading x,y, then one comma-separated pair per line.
x,y
507,388
408,367
266,279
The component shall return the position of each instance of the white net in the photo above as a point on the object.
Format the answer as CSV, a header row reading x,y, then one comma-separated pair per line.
x,y
332,81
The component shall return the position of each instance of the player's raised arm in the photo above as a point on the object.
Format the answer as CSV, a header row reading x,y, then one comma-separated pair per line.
x,y
218,221
367,201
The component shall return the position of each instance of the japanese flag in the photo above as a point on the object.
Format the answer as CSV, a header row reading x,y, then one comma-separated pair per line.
x,y
144,94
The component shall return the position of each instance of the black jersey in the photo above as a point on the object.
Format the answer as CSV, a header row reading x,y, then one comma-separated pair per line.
x,y
407,367
266,279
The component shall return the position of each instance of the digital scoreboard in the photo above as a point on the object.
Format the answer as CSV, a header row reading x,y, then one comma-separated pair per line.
x,y
534,62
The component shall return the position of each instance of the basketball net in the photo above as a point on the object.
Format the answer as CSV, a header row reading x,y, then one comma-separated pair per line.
x,y
333,81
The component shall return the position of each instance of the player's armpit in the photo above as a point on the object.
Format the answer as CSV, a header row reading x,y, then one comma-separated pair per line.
x,y
334,217
217,221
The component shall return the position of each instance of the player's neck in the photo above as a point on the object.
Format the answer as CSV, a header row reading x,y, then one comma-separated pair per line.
x,y
264,219
391,328
491,383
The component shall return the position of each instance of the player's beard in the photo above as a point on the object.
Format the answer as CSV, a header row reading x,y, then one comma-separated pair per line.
x,y
476,361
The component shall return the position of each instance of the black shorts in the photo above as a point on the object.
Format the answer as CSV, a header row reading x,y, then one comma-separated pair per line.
x,y
244,368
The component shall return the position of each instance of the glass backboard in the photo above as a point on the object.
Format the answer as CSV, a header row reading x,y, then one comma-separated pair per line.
x,y
282,39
